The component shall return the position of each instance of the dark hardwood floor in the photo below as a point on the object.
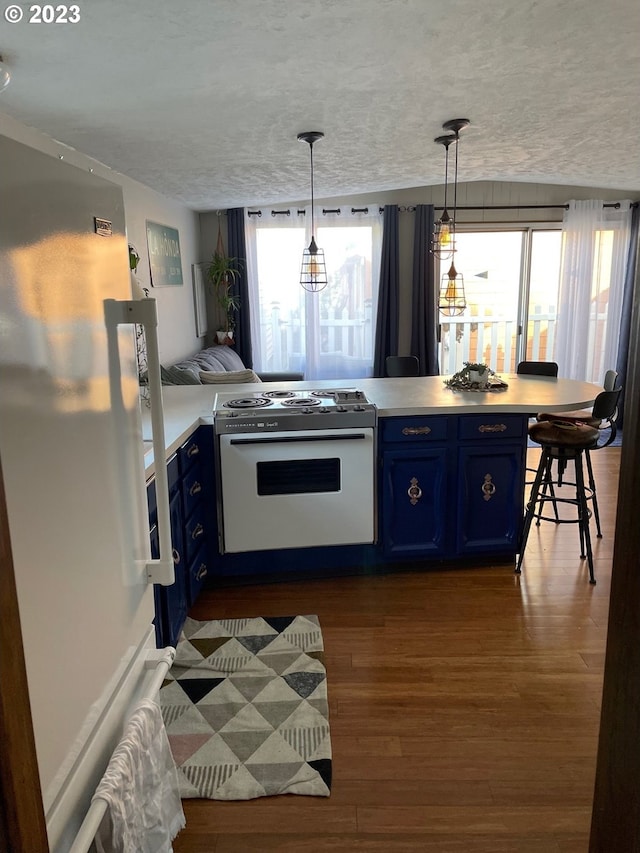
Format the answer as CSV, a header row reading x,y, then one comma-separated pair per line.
x,y
464,705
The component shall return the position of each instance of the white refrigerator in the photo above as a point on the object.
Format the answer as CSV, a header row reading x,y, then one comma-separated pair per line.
x,y
71,452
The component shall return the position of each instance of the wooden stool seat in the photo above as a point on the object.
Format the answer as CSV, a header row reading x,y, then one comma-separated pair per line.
x,y
564,434
562,441
584,417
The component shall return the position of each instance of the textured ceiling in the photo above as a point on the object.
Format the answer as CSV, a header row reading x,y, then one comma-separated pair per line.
x,y
202,100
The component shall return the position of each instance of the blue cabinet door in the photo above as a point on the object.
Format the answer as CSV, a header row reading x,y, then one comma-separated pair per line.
x,y
414,494
171,601
489,498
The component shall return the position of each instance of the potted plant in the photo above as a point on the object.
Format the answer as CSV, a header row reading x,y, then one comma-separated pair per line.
x,y
473,374
223,272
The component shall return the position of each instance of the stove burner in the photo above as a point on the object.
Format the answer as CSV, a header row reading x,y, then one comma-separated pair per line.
x,y
279,395
302,402
247,403
324,393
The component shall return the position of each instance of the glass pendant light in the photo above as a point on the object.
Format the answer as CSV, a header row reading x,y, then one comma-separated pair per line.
x,y
452,301
313,273
442,241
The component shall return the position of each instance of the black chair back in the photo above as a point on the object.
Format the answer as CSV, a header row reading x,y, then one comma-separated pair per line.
x,y
605,406
402,365
538,368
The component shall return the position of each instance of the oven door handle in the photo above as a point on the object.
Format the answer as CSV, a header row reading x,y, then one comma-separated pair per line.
x,y
356,436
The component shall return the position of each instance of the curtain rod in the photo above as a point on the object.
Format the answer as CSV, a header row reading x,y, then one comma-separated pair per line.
x,y
410,208
325,211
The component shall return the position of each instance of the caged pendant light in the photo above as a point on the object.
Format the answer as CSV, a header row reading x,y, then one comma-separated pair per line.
x,y
452,300
313,273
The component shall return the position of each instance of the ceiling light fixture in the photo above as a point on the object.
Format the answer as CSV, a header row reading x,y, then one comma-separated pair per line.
x,y
313,274
442,242
5,76
452,299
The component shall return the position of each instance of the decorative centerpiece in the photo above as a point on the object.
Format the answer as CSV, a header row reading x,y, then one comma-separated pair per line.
x,y
475,376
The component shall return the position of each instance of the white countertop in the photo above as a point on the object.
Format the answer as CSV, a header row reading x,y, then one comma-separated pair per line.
x,y
187,406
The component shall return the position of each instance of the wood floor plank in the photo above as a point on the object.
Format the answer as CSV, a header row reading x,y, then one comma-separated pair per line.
x,y
464,705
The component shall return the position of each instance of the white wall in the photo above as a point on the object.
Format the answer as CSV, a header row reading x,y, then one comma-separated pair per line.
x,y
176,319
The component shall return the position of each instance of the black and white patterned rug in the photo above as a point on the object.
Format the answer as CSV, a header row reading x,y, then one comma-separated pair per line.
x,y
245,708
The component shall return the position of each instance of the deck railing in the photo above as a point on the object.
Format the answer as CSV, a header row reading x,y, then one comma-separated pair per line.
x,y
341,336
479,337
494,340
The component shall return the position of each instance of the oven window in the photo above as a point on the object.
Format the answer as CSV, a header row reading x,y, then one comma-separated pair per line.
x,y
298,476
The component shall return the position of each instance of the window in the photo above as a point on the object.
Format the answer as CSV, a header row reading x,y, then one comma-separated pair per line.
x,y
326,335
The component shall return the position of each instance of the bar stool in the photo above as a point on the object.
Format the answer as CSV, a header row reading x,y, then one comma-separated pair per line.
x,y
602,419
561,442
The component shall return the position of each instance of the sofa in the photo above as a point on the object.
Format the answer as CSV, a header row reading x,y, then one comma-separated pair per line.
x,y
216,365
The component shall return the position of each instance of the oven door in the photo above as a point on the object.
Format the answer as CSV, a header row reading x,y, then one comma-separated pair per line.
x,y
298,489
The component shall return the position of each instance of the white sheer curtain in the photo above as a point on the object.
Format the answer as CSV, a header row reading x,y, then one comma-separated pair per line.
x,y
595,243
326,335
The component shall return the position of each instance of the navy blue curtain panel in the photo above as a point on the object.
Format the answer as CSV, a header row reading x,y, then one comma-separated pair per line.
x,y
424,299
627,308
238,249
386,342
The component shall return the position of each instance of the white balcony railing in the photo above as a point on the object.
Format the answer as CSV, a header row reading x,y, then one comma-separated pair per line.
x,y
479,337
494,340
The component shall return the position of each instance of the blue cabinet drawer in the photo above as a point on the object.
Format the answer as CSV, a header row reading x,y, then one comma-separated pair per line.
x,y
190,452
480,427
192,490
419,429
194,532
198,571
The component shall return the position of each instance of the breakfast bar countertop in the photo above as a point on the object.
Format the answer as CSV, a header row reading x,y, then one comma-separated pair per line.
x,y
187,406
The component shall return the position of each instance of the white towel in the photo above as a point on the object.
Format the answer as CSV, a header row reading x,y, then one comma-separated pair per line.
x,y
140,787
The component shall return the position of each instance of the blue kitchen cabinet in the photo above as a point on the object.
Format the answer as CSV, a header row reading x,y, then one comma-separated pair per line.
x,y
489,499
490,483
451,486
414,497
196,467
190,480
415,462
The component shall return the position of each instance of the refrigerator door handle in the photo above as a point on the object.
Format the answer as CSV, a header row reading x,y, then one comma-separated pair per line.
x,y
143,312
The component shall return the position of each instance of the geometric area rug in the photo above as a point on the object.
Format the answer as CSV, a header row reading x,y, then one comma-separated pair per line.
x,y
245,709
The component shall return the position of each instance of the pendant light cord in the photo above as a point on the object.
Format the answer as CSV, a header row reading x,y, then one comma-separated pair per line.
x,y
446,173
312,200
455,188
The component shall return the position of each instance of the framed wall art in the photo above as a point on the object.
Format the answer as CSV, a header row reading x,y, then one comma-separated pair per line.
x,y
165,260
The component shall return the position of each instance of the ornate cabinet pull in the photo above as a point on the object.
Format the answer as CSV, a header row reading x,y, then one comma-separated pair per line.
x,y
416,430
195,488
202,571
197,531
194,450
488,487
414,491
176,556
492,427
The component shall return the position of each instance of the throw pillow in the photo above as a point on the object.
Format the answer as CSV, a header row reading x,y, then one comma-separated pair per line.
x,y
178,376
246,375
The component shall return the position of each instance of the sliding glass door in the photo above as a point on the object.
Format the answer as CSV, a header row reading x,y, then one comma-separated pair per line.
x,y
511,283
